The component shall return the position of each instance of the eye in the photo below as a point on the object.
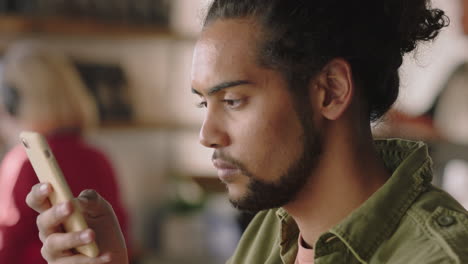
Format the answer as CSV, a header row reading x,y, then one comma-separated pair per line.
x,y
233,103
202,104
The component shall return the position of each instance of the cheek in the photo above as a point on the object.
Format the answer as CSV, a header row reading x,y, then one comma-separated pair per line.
x,y
269,142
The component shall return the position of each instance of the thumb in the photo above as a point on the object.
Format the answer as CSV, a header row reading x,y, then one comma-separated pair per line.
x,y
93,205
101,218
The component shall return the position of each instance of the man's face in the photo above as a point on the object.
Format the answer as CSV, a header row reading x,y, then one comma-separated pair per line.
x,y
264,145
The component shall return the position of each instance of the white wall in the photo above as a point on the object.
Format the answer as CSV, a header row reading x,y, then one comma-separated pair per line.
x,y
425,71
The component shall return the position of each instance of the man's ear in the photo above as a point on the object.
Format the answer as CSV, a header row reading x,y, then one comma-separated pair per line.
x,y
335,89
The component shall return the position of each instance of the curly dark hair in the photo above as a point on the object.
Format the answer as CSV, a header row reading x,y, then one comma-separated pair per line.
x,y
302,36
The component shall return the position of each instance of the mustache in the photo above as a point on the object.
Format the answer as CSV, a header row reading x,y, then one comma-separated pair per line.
x,y
217,154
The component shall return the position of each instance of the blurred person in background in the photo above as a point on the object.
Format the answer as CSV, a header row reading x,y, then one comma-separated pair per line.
x,y
41,91
290,88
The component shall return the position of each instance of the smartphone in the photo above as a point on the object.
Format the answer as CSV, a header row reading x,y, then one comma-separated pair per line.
x,y
47,170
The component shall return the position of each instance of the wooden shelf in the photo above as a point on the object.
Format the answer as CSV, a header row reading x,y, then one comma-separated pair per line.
x,y
84,27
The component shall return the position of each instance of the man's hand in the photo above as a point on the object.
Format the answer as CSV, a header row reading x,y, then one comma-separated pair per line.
x,y
58,246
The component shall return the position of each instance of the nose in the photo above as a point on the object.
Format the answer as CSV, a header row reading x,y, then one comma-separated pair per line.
x,y
212,133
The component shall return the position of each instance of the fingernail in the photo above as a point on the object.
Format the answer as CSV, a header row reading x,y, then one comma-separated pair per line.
x,y
86,237
88,194
105,258
43,188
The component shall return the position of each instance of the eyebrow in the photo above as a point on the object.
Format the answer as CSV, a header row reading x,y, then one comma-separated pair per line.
x,y
222,86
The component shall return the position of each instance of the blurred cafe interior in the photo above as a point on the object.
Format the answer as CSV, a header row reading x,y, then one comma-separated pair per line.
x,y
135,59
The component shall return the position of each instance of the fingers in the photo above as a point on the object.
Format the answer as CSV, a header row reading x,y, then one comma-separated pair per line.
x,y
81,259
37,198
58,247
49,221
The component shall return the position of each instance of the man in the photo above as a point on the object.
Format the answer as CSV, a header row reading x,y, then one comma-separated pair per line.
x,y
290,88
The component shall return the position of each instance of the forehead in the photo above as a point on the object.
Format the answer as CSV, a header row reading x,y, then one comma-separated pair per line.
x,y
226,48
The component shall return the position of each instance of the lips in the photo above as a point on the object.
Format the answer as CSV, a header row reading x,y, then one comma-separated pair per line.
x,y
223,165
226,171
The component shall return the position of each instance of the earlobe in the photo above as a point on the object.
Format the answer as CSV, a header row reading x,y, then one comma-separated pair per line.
x,y
338,88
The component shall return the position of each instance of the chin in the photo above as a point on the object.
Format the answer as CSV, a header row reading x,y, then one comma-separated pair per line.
x,y
235,193
242,205
244,201
238,198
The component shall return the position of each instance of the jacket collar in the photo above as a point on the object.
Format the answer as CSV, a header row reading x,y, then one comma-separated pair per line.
x,y
375,220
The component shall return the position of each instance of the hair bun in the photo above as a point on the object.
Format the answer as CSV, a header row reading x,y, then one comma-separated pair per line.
x,y
415,21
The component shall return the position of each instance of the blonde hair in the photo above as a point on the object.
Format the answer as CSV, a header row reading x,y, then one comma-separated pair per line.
x,y
52,94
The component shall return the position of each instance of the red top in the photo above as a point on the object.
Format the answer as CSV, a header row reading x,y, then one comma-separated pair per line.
x,y
84,168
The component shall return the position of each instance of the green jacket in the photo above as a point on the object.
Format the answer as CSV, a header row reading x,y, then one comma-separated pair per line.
x,y
406,221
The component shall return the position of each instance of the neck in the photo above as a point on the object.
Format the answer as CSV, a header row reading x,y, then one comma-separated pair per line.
x,y
349,172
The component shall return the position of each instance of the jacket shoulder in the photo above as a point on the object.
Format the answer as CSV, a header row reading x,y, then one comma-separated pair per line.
x,y
433,230
445,221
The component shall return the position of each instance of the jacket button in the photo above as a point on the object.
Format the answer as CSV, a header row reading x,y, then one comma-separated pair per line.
x,y
445,220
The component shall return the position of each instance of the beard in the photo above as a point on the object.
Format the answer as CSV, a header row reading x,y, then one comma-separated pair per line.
x,y
262,195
